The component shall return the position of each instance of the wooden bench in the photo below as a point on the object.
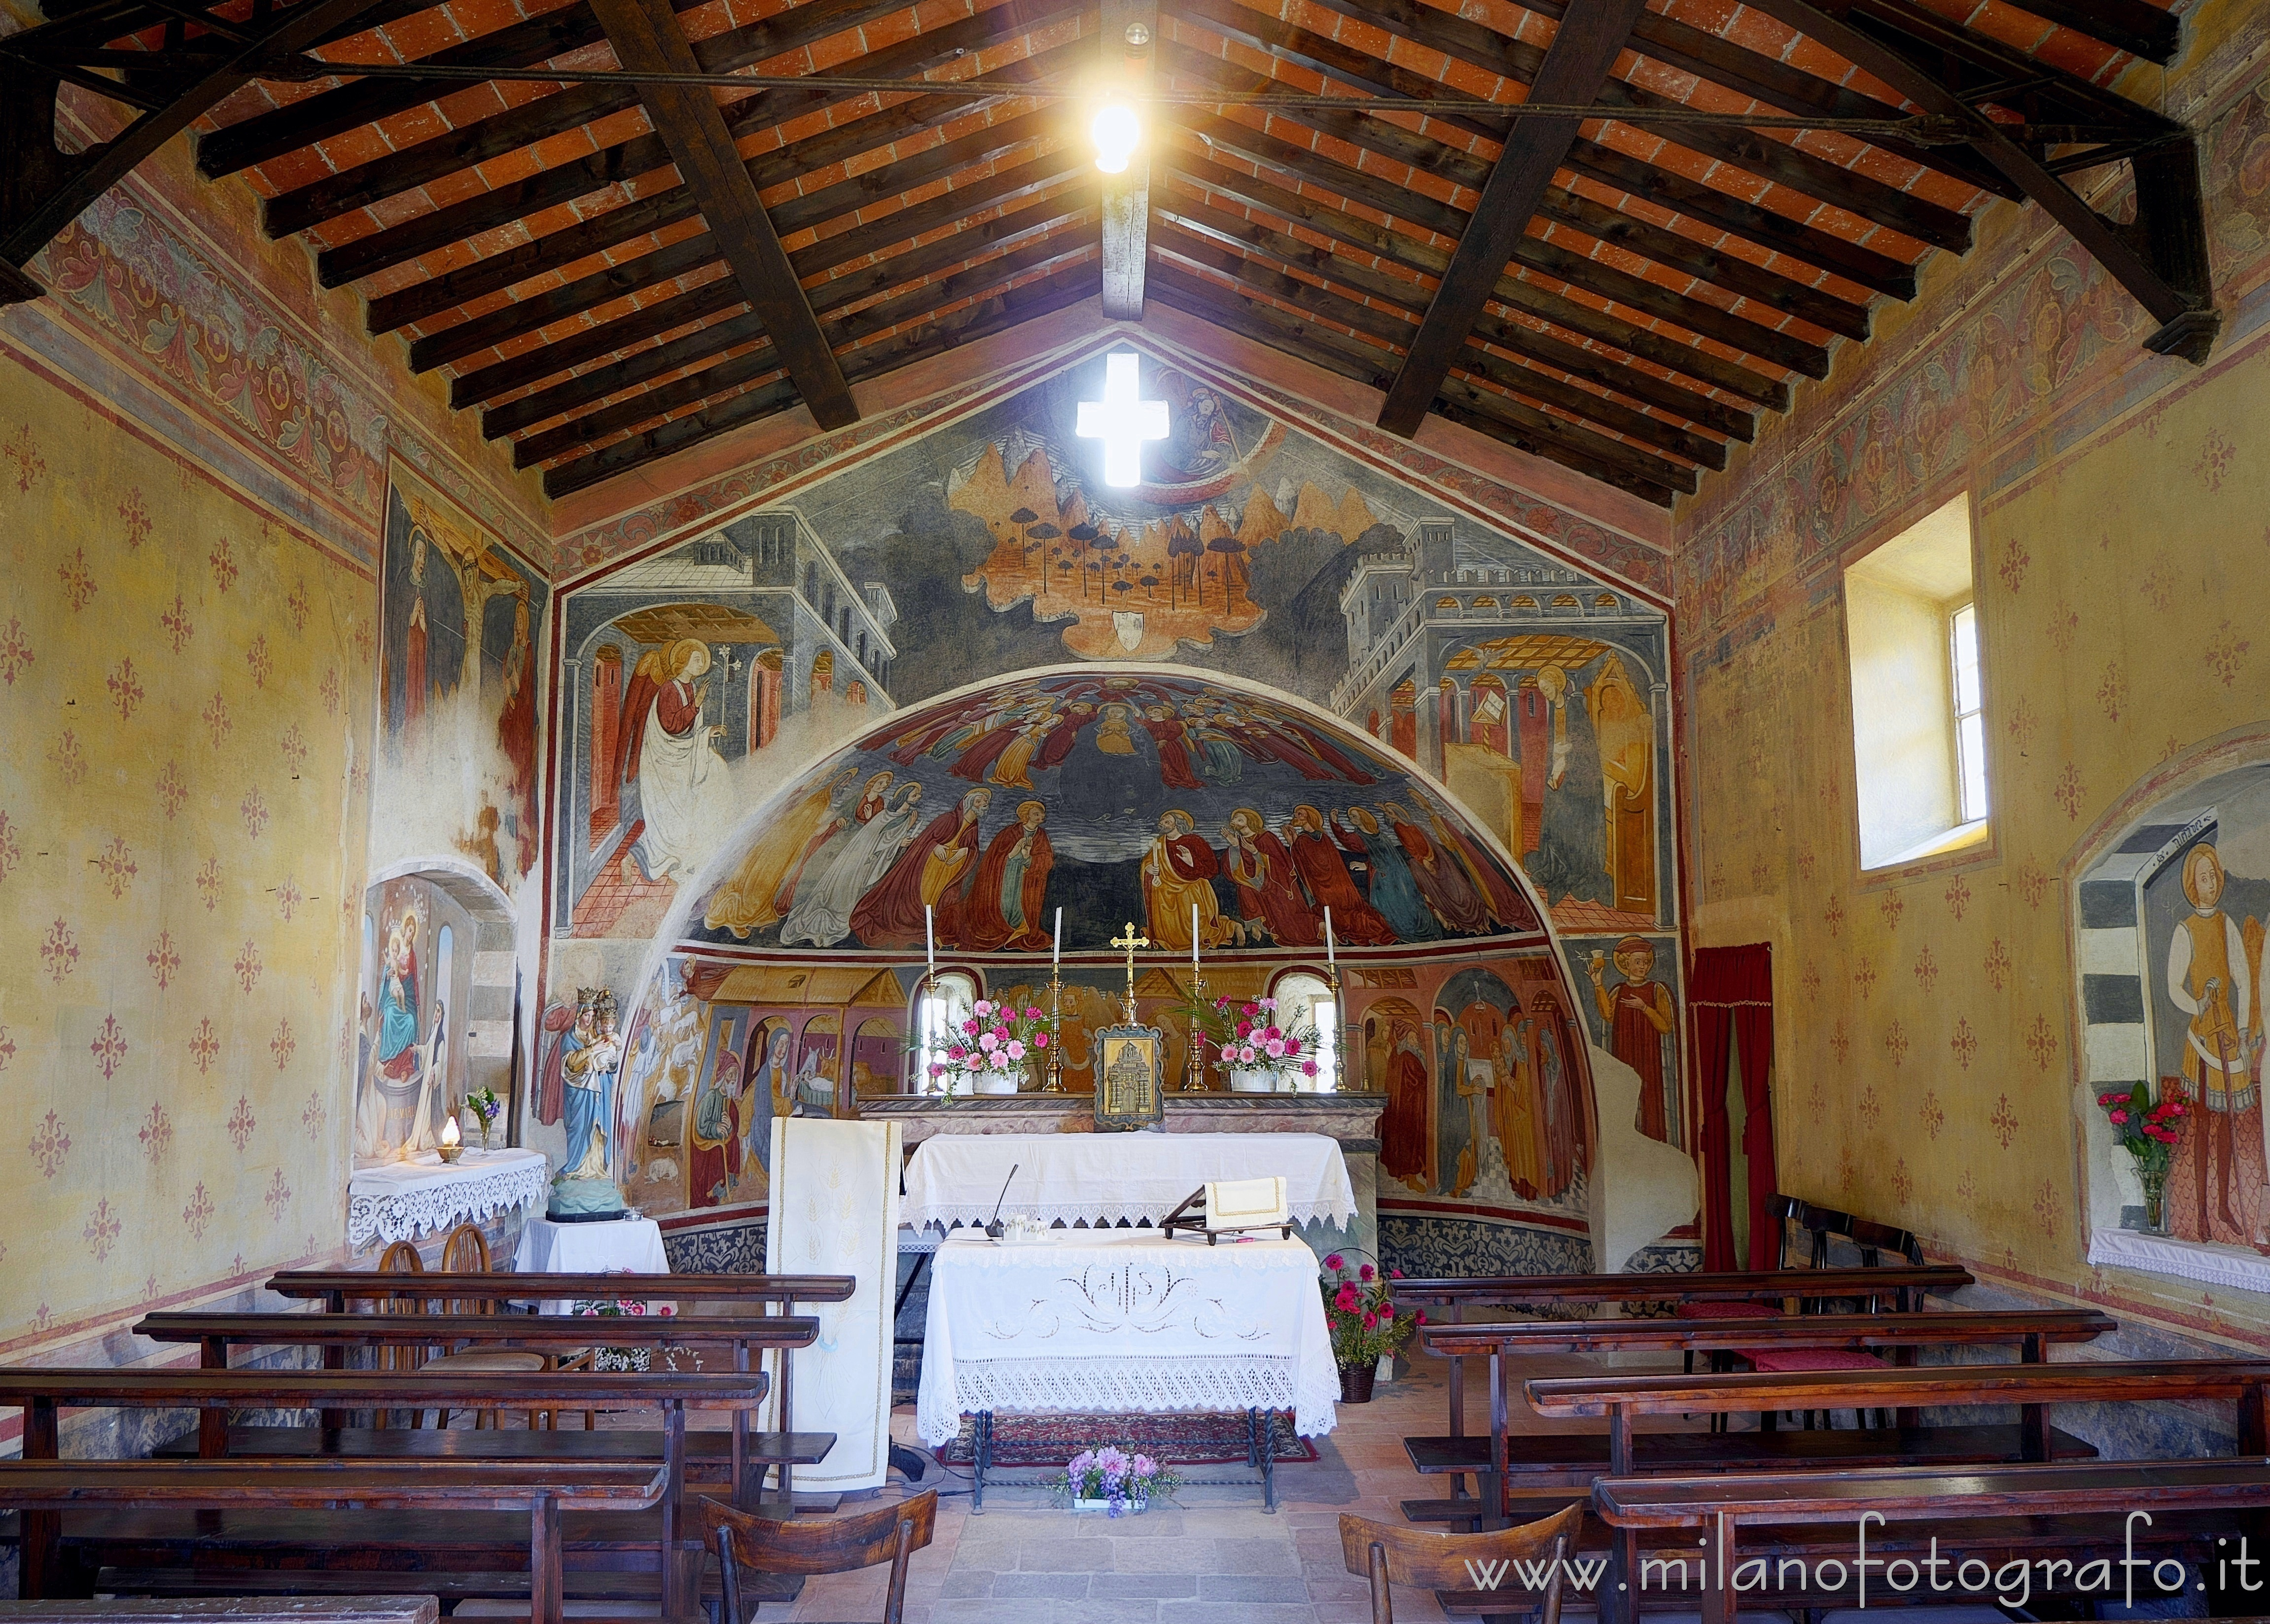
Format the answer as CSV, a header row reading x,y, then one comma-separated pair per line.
x,y
1992,1516
215,1334
232,1610
41,1394
1560,1461
336,1288
1909,1286
2034,1388
542,1491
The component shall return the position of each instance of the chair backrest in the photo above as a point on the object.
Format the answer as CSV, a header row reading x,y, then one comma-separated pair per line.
x,y
400,1259
843,1542
1388,1553
466,1252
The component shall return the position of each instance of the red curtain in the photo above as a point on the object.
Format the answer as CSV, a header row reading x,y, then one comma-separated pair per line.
x,y
1730,994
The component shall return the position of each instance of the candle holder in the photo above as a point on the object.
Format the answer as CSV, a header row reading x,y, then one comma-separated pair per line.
x,y
1339,1022
1194,1080
1054,1081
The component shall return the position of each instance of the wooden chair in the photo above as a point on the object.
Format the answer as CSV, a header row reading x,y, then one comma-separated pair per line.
x,y
465,1250
1387,1554
843,1542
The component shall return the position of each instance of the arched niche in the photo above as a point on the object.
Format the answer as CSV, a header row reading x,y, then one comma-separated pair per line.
x,y
435,1004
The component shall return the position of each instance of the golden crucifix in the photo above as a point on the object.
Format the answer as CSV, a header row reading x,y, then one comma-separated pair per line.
x,y
1130,942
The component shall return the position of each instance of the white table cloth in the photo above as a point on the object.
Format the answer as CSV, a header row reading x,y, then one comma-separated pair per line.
x,y
402,1200
1121,1320
955,1178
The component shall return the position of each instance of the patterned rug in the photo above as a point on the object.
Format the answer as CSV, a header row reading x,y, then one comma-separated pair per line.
x,y
1178,1440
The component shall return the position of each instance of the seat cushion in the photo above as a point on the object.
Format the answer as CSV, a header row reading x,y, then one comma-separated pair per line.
x,y
1784,1359
1724,1310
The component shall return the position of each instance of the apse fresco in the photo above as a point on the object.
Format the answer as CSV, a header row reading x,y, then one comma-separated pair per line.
x,y
1177,802
1533,687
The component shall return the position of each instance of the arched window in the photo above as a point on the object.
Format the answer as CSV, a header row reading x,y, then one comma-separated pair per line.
x,y
1305,1004
942,1002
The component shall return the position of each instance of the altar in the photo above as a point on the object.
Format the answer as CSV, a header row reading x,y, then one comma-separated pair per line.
x,y
1350,1120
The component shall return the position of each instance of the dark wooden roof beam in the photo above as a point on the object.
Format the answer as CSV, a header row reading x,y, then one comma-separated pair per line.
x,y
1736,332
1575,71
1368,237
647,39
1018,305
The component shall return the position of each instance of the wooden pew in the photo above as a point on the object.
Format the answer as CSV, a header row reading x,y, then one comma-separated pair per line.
x,y
46,1488
42,1394
216,1333
2074,1507
1560,1461
2033,1387
229,1609
336,1288
1909,1286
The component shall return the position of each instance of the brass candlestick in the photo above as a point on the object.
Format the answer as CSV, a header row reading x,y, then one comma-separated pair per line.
x,y
1194,1073
1054,1083
1339,1022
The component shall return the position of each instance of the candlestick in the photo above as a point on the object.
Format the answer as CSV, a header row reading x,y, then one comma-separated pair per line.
x,y
929,937
1054,1081
1194,1072
1331,953
1056,954
452,1142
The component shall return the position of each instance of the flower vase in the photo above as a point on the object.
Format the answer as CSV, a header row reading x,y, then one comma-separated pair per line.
x,y
1355,1383
997,1082
2155,1199
1253,1079
1127,1507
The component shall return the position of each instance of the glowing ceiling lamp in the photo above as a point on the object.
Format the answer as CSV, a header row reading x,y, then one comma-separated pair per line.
x,y
1116,133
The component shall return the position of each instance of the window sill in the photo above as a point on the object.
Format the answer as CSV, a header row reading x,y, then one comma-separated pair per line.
x,y
1960,838
2231,1267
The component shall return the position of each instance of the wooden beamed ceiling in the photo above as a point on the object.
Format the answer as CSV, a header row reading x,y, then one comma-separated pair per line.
x,y
1706,199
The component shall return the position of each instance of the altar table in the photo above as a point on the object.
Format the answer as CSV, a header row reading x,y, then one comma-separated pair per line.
x,y
621,1246
1121,1320
956,1178
422,1195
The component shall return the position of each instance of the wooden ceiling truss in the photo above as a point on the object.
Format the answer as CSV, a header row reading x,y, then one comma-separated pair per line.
x,y
623,228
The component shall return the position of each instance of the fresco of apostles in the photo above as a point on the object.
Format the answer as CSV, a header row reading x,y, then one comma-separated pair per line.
x,y
1170,800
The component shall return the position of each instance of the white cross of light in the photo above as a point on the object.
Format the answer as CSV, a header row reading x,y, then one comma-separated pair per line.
x,y
1123,420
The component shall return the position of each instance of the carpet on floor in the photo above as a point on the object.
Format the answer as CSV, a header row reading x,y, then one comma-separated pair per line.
x,y
1178,1440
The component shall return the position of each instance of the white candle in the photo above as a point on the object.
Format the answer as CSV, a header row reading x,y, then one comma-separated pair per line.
x,y
1055,955
1194,936
930,939
1331,959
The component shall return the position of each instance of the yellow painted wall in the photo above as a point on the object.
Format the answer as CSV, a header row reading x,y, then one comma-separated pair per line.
x,y
185,691
1928,1070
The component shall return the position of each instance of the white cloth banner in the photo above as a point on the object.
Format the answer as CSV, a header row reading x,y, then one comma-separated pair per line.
x,y
1123,1321
836,1211
402,1200
955,1178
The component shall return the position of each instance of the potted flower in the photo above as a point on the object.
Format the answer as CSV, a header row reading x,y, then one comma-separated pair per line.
x,y
1113,1481
1360,1311
484,1103
988,1054
2147,1131
1259,1053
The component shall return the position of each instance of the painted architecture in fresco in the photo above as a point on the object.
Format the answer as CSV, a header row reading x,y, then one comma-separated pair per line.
x,y
458,675
692,677
1261,559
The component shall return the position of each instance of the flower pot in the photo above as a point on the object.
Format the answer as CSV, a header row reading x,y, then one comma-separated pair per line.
x,y
1253,1079
1127,1507
999,1082
1355,1383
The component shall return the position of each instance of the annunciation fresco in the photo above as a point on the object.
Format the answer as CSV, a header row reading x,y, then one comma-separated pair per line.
x,y
1175,802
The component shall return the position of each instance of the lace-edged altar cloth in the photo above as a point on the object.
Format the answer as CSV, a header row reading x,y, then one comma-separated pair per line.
x,y
402,1200
955,1178
1123,1321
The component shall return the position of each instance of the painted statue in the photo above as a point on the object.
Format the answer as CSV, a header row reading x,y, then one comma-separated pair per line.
x,y
590,1054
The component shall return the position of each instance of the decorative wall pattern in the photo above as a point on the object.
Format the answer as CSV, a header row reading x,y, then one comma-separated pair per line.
x,y
1933,1069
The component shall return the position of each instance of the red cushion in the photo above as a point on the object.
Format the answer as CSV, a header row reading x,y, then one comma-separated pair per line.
x,y
1724,1310
1788,1358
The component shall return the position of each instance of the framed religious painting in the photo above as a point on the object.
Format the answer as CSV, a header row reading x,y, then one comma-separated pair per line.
x,y
1130,1078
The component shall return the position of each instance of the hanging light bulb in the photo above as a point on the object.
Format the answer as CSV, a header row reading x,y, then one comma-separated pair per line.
x,y
1116,132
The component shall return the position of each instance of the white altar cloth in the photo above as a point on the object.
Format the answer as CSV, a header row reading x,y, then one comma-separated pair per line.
x,y
1121,1320
955,1178
402,1200
625,1246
